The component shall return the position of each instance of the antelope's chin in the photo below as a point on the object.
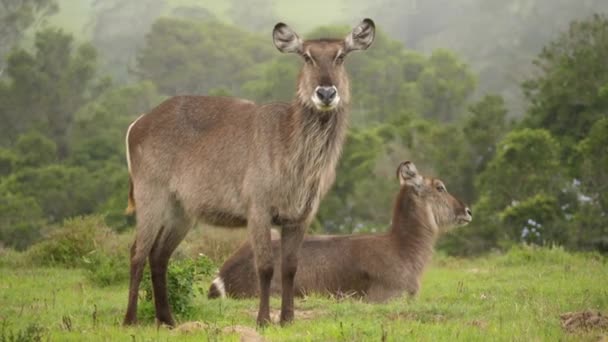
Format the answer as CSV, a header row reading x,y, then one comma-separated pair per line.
x,y
463,221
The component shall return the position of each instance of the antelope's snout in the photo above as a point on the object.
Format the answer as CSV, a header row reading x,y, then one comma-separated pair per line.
x,y
326,97
466,217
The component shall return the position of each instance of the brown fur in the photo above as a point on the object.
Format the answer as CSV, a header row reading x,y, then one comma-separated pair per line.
x,y
375,266
230,162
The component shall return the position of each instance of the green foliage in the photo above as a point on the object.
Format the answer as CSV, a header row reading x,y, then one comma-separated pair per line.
x,y
534,220
483,128
183,56
46,87
446,84
21,220
526,163
63,128
519,191
344,209
566,98
31,333
35,150
104,269
531,254
16,16
61,191
591,221
275,81
8,161
183,278
69,244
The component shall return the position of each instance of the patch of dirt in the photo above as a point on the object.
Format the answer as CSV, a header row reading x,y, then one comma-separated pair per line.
x,y
584,320
246,334
421,317
476,270
190,327
305,315
401,316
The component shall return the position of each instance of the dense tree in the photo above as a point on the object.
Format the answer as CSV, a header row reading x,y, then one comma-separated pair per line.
x,y
523,182
21,220
567,97
483,128
591,222
183,56
35,150
45,88
361,194
16,16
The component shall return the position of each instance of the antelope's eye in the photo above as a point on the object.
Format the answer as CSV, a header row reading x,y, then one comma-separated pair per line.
x,y
307,58
441,188
340,58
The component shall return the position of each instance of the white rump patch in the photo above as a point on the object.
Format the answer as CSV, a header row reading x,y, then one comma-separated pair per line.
x,y
219,285
127,143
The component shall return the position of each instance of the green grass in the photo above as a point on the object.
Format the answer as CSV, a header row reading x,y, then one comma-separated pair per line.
x,y
518,296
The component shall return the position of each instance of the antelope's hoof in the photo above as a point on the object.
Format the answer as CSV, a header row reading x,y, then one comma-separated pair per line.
x,y
286,318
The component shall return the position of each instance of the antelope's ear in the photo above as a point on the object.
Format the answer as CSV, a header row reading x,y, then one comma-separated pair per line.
x,y
286,39
408,174
361,36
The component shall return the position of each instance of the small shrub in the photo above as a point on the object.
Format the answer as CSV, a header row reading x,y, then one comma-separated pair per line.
x,y
105,270
11,258
182,287
69,244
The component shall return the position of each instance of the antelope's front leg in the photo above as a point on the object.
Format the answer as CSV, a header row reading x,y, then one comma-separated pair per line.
x,y
291,240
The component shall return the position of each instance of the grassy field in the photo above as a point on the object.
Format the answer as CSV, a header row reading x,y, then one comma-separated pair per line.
x,y
518,296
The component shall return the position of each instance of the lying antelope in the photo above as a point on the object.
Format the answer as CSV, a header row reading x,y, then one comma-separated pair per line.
x,y
230,162
375,266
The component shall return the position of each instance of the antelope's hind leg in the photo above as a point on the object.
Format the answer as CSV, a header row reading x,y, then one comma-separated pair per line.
x,y
174,231
149,226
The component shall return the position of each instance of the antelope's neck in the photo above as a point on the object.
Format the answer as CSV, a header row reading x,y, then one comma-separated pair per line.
x,y
316,138
313,142
413,233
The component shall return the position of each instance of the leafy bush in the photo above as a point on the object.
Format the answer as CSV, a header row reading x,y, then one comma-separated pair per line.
x,y
533,220
105,269
69,244
61,191
21,220
182,287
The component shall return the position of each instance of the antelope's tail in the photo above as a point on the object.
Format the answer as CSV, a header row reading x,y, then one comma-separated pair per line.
x,y
131,200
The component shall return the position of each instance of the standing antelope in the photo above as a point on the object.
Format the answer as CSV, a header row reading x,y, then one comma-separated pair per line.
x,y
375,266
230,162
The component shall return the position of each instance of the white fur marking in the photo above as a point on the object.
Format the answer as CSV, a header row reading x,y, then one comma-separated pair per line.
x,y
127,143
219,285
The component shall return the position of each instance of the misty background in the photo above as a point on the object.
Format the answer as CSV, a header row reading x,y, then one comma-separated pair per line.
x,y
504,100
